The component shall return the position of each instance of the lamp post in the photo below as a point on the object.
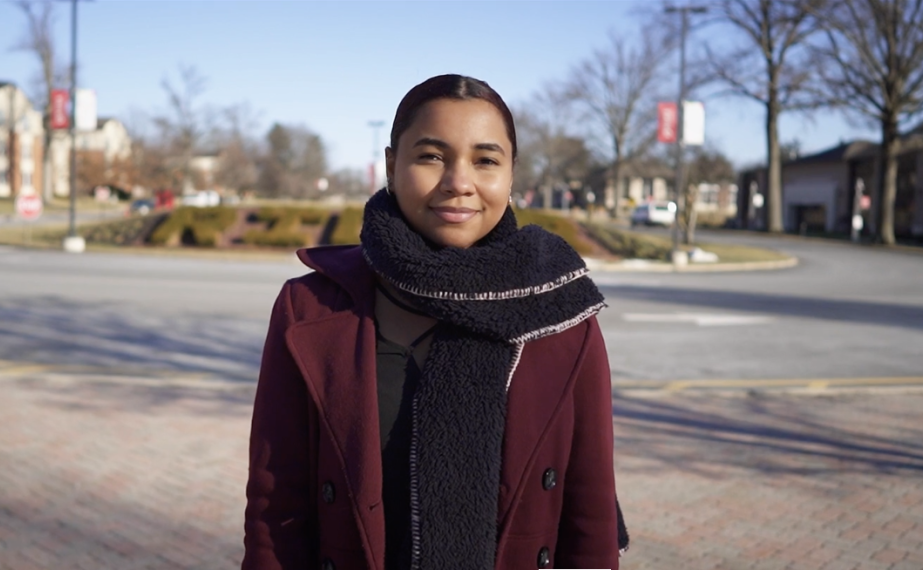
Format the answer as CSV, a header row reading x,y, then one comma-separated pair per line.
x,y
680,257
376,126
73,243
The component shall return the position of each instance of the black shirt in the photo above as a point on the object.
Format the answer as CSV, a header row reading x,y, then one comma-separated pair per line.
x,y
398,376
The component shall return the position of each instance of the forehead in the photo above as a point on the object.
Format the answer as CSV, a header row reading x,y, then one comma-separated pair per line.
x,y
459,118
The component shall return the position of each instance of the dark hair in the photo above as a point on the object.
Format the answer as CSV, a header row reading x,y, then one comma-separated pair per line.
x,y
458,87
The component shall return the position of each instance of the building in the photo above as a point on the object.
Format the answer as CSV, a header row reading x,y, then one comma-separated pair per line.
x,y
108,144
21,143
822,192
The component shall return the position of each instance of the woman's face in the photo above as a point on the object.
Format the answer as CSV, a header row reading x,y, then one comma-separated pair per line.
x,y
453,170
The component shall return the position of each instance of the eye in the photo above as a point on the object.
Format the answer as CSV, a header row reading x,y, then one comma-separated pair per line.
x,y
488,161
429,157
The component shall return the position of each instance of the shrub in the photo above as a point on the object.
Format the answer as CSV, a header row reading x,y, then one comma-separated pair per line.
x,y
348,227
566,228
284,226
202,225
276,239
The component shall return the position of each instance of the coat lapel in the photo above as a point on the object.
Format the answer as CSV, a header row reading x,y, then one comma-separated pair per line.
x,y
336,355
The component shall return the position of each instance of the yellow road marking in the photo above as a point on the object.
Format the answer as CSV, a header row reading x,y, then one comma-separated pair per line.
x,y
811,383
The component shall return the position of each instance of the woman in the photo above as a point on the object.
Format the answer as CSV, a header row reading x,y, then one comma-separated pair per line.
x,y
438,397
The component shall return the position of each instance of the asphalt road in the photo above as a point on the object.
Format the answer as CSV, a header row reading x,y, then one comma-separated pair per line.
x,y
845,314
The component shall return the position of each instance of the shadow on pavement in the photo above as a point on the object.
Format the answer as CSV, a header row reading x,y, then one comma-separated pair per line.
x,y
907,316
52,331
772,434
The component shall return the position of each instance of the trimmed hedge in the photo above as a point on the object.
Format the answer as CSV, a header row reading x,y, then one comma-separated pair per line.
x,y
349,224
201,226
564,227
284,226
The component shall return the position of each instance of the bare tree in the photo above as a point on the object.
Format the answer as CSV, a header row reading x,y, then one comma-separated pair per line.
x,y
614,89
771,69
38,40
872,63
185,124
549,155
239,151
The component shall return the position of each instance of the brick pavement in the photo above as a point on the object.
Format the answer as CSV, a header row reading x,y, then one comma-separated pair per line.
x,y
109,474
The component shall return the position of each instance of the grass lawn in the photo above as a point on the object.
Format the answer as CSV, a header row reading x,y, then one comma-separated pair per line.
x,y
8,205
636,245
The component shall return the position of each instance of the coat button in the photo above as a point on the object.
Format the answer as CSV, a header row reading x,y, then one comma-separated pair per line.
x,y
328,492
328,564
549,479
544,557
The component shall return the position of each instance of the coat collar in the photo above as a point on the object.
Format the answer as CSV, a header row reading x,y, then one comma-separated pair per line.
x,y
346,266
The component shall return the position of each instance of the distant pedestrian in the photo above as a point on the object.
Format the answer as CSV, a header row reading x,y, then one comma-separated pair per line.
x,y
438,397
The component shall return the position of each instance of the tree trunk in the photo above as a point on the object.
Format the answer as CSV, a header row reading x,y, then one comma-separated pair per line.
x,y
888,179
774,166
616,190
690,197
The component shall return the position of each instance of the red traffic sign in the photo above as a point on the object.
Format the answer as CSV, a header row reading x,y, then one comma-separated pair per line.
x,y
29,206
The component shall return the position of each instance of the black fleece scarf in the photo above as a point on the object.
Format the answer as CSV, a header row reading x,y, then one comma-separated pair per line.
x,y
513,286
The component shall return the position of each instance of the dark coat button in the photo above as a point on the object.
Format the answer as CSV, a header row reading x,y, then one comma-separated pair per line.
x,y
544,557
328,492
328,564
549,479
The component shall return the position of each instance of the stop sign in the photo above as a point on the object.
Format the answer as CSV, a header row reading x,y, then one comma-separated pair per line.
x,y
29,206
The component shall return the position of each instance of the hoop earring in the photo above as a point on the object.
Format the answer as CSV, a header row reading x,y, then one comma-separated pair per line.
x,y
388,188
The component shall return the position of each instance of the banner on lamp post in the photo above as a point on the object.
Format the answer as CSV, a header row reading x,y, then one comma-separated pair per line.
x,y
86,110
59,119
667,122
693,123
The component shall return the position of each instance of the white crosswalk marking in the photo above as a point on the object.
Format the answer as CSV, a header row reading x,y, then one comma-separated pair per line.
x,y
699,319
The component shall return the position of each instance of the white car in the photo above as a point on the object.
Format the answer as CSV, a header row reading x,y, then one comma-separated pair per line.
x,y
654,214
201,199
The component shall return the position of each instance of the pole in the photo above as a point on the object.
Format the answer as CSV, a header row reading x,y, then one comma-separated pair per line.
x,y
73,243
375,125
680,257
680,131
72,229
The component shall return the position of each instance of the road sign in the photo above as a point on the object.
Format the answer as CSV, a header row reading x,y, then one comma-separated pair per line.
x,y
29,206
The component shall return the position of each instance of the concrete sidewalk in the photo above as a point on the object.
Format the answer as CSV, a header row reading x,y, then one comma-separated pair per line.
x,y
101,473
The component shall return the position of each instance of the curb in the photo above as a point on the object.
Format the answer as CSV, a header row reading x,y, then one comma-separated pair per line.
x,y
646,266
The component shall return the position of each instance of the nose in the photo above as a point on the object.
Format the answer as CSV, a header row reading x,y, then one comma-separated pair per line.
x,y
457,179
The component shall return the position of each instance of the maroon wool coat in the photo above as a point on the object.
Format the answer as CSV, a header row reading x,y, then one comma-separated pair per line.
x,y
315,486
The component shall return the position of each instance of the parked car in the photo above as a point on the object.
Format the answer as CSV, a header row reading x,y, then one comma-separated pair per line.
x,y
654,214
143,207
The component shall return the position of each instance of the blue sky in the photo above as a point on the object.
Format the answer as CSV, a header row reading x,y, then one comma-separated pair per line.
x,y
335,66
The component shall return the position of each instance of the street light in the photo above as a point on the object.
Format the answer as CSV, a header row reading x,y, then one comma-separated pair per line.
x,y
678,257
376,126
73,243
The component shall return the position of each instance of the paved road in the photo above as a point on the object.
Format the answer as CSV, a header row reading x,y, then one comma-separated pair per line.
x,y
127,384
845,313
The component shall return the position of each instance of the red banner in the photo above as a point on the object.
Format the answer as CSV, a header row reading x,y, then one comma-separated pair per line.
x,y
667,122
59,109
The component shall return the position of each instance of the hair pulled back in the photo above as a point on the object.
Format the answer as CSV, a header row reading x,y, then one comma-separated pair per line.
x,y
450,86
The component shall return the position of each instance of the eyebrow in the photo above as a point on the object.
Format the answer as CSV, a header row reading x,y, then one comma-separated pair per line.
x,y
428,141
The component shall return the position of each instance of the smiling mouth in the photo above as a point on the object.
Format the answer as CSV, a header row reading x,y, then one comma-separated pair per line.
x,y
454,215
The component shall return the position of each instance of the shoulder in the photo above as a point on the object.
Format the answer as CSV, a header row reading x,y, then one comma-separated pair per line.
x,y
340,280
565,351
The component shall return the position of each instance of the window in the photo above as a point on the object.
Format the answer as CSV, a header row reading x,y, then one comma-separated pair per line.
x,y
27,179
26,151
